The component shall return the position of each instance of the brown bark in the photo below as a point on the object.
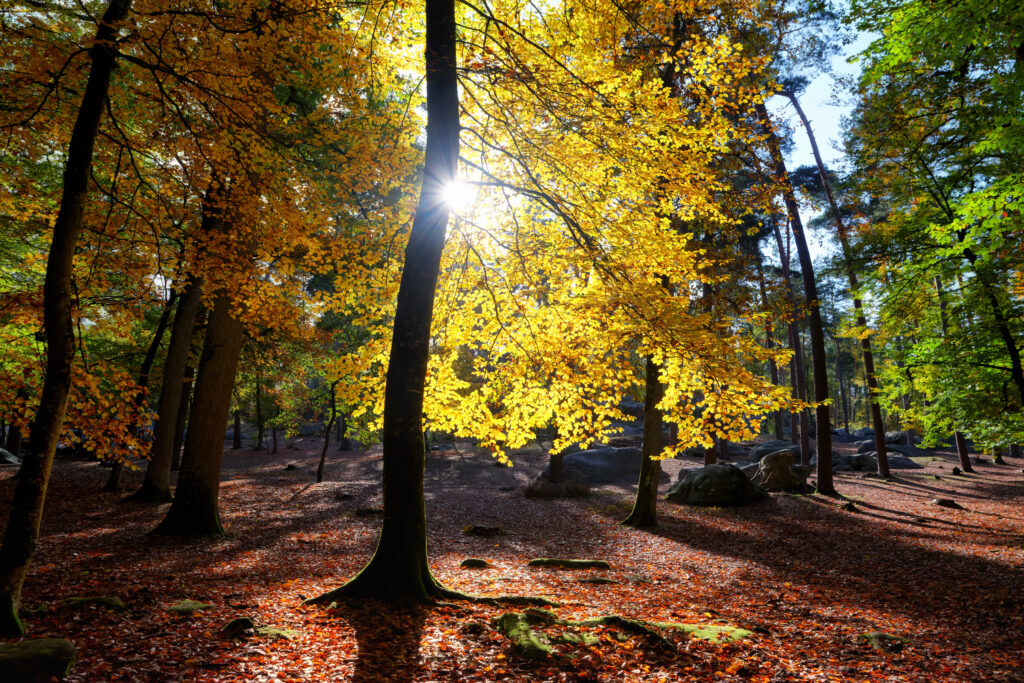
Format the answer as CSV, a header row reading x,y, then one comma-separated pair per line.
x,y
195,511
556,470
820,370
645,505
398,568
156,486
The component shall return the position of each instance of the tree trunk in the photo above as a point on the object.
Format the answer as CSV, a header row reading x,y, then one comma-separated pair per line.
x,y
194,511
273,438
343,441
181,418
259,416
327,431
236,439
556,471
645,506
819,359
958,437
398,568
711,454
797,372
156,486
34,476
877,423
13,442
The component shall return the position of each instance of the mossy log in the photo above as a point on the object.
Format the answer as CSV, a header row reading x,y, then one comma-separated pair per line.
x,y
112,604
522,628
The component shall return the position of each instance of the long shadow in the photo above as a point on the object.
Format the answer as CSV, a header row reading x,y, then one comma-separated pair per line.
x,y
388,639
845,558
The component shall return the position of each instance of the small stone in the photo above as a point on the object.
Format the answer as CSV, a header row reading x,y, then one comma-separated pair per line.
x,y
947,503
475,563
278,633
187,607
343,496
238,628
484,530
956,470
849,507
368,512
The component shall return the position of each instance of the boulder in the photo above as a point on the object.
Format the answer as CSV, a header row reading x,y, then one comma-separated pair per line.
x,y
36,659
717,485
864,433
603,466
899,438
775,472
8,458
863,462
763,449
897,461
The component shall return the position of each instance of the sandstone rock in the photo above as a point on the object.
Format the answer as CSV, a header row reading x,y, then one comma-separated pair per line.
x,y
718,485
775,472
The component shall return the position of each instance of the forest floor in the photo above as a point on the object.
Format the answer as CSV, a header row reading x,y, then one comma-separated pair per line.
x,y
805,576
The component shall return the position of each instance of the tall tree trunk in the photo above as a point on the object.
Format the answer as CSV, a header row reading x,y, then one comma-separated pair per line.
x,y
819,359
236,438
327,431
958,438
114,480
877,423
30,493
181,418
194,511
797,372
156,486
398,568
645,506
